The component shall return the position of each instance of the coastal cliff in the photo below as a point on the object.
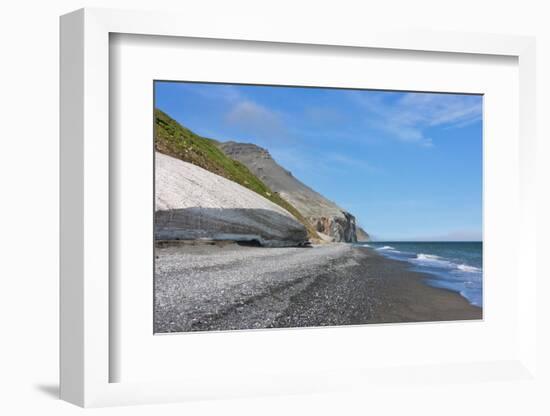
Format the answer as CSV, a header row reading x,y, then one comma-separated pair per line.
x,y
330,221
192,203
253,169
172,139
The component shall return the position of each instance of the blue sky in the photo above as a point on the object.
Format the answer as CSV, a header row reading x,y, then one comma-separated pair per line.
x,y
407,165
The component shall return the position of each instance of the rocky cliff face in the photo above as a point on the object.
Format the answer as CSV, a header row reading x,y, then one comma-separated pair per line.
x,y
332,222
193,203
336,228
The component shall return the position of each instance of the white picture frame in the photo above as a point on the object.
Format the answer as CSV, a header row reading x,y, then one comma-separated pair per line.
x,y
86,290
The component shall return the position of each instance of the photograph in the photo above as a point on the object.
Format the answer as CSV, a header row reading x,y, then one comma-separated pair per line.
x,y
294,207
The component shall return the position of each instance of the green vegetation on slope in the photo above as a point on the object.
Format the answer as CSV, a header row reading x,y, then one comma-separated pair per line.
x,y
172,139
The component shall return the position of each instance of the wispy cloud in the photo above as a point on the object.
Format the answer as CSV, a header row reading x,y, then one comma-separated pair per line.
x,y
408,118
255,119
439,109
246,117
300,162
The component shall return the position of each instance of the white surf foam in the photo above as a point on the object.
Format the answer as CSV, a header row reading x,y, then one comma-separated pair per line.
x,y
433,261
468,269
447,273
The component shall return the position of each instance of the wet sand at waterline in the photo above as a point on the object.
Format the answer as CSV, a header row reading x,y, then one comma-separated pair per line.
x,y
224,286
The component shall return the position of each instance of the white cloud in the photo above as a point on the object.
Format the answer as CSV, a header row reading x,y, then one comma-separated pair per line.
x,y
408,118
246,116
439,109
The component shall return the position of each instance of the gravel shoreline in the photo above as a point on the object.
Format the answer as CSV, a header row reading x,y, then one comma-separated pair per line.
x,y
201,287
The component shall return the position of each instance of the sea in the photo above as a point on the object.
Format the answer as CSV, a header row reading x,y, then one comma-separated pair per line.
x,y
456,266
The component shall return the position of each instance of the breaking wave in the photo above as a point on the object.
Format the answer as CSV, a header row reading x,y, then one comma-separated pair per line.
x,y
452,266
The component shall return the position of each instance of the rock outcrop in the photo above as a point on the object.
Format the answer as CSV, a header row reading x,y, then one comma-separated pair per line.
x,y
193,203
332,222
337,228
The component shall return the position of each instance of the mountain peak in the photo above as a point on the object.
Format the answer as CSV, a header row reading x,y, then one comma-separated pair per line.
x,y
324,215
249,149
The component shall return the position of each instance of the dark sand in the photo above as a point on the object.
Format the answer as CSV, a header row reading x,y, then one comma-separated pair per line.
x,y
227,286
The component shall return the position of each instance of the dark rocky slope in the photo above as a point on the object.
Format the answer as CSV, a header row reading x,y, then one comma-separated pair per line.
x,y
332,222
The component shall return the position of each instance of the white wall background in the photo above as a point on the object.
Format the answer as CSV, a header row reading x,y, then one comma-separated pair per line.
x,y
29,217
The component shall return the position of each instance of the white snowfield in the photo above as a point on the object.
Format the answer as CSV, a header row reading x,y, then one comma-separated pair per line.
x,y
193,203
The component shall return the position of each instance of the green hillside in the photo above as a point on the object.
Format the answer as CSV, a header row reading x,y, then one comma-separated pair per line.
x,y
172,139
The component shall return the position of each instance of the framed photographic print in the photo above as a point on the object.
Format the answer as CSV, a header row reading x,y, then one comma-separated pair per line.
x,y
269,212
241,242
